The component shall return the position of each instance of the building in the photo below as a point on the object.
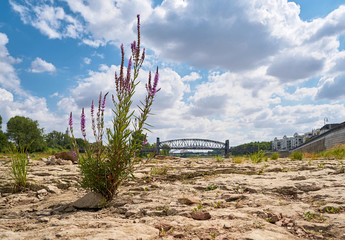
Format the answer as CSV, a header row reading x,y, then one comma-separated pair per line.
x,y
328,127
287,143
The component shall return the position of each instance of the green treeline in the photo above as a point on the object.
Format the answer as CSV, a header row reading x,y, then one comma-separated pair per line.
x,y
25,133
250,148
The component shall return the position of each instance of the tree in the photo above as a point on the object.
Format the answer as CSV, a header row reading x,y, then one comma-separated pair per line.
x,y
165,150
252,147
3,139
59,140
24,132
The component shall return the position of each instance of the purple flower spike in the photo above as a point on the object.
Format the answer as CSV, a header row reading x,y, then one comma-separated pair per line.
x,y
103,103
70,122
143,55
74,154
92,108
155,83
129,72
153,89
82,123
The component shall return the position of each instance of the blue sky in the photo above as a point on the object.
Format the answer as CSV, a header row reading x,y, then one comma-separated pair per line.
x,y
241,70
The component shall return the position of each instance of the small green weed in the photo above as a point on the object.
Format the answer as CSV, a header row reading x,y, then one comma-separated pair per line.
x,y
296,156
275,156
310,216
18,168
257,157
331,209
155,171
217,204
219,159
211,187
197,208
237,159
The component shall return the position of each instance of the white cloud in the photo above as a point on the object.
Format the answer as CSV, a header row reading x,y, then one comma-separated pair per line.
x,y
224,37
8,76
295,67
332,88
87,60
15,101
56,94
39,66
193,76
331,25
302,93
49,20
5,96
110,20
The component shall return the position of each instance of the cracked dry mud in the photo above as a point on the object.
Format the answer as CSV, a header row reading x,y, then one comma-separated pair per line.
x,y
178,198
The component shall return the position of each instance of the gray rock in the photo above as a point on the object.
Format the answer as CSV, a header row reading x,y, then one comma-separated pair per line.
x,y
91,200
53,189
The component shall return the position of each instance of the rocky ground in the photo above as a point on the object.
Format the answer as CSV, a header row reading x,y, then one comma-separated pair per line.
x,y
177,198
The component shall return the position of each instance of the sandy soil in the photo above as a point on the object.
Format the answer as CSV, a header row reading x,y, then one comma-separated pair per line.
x,y
179,198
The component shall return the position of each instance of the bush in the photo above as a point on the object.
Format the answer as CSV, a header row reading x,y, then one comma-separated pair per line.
x,y
296,156
105,167
275,156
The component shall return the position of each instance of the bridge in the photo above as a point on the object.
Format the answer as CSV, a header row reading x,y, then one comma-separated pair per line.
x,y
194,143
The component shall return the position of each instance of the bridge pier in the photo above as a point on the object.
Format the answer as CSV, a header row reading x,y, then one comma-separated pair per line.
x,y
157,146
227,149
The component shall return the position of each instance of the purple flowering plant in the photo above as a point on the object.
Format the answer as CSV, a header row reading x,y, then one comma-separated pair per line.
x,y
104,167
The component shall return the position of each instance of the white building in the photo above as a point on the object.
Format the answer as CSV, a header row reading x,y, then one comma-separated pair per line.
x,y
288,143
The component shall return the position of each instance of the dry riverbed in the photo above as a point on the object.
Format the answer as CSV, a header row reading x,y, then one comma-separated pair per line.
x,y
178,198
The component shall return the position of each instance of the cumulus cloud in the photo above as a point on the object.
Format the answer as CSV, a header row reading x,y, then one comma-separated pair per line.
x,y
224,37
332,88
302,93
5,96
39,66
87,60
193,76
8,76
15,101
332,25
296,67
49,20
210,105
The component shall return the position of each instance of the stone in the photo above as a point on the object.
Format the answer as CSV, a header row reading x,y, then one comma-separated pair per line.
x,y
233,197
91,200
163,226
53,189
201,215
66,156
307,187
187,200
178,235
